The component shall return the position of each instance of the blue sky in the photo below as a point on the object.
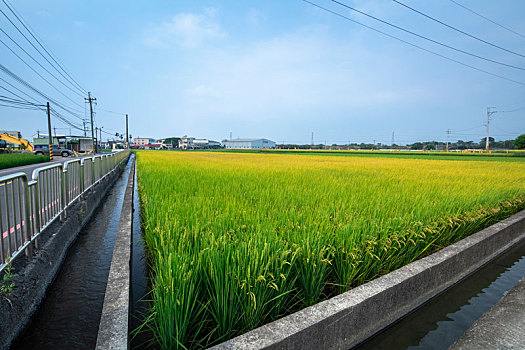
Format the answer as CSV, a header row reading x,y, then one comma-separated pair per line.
x,y
277,69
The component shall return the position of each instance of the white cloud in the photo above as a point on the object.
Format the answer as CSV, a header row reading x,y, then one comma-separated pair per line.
x,y
186,29
294,74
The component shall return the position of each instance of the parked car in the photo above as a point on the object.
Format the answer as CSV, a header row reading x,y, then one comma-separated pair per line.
x,y
57,151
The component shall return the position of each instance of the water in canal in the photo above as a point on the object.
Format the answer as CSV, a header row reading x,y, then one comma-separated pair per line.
x,y
69,316
441,321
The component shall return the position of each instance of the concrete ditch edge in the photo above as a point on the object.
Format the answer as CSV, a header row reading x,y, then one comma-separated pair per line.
x,y
502,327
347,320
113,329
37,273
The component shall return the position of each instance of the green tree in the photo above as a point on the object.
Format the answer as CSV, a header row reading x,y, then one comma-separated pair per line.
x,y
519,143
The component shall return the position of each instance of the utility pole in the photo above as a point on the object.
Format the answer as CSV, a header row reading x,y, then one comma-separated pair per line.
x,y
393,138
448,135
38,134
230,135
100,139
84,122
489,113
96,139
90,99
49,131
312,138
127,135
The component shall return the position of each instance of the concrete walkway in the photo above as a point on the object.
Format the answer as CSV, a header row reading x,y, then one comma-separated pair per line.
x,y
502,327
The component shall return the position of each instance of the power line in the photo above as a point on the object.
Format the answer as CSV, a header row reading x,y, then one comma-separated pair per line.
x,y
41,43
37,73
31,56
15,101
24,104
506,132
20,107
109,132
458,30
488,19
20,104
413,45
108,111
427,38
41,54
65,120
458,131
12,93
29,86
17,89
514,110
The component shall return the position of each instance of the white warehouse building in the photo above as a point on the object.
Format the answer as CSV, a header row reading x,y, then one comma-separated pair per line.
x,y
249,144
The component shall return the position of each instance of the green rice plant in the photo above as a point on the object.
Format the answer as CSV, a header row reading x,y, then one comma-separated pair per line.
x,y
11,160
237,240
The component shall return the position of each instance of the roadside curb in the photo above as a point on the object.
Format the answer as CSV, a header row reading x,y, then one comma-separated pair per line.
x,y
347,320
114,323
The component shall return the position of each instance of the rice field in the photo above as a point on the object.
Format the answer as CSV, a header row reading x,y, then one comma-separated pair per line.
x,y
237,240
10,160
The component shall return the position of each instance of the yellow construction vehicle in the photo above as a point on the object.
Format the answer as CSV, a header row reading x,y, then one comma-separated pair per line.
x,y
23,143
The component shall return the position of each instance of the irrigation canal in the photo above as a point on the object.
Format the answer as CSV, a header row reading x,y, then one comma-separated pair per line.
x,y
440,322
69,316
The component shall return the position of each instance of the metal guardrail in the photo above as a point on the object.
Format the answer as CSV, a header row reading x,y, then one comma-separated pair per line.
x,y
28,206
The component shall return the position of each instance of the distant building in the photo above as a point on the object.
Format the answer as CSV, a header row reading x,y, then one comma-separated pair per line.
x,y
79,144
165,145
113,145
193,143
186,142
142,141
249,144
206,144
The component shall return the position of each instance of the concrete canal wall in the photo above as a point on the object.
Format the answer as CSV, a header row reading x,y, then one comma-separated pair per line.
x,y
36,273
114,323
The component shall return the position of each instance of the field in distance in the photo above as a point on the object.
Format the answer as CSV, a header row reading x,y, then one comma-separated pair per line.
x,y
237,240
10,160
